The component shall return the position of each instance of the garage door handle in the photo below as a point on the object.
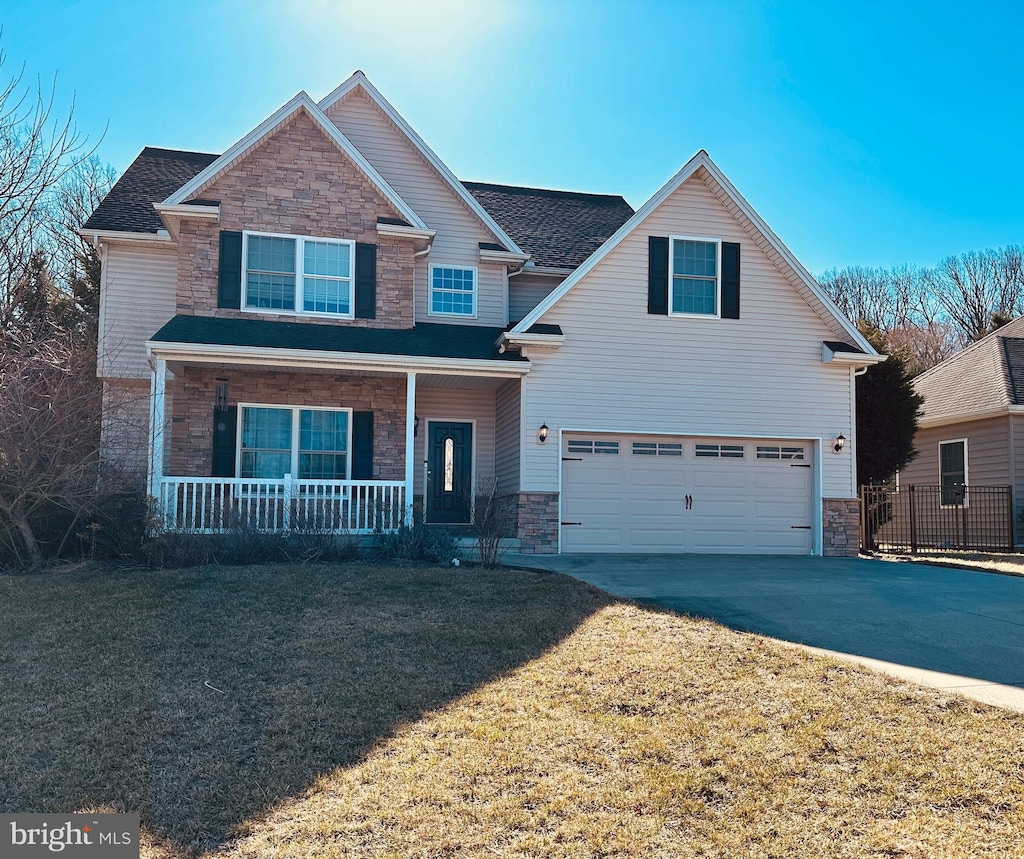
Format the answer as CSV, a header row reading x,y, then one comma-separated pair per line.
x,y
801,527
571,523
572,459
799,465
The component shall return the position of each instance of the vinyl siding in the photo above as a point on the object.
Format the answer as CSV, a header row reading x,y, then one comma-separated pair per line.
x,y
137,297
507,437
525,292
624,370
459,233
987,457
457,405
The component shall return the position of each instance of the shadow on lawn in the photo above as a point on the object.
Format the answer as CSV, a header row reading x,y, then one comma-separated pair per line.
x,y
201,698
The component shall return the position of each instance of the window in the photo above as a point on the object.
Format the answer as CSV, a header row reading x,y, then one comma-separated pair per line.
x,y
588,446
695,283
723,451
953,471
659,448
274,265
310,444
772,452
452,291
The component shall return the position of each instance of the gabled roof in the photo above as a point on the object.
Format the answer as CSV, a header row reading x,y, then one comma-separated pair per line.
x,y
300,103
985,378
557,228
358,80
152,176
772,244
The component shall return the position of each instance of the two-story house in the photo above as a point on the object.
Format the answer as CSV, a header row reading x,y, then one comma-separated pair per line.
x,y
327,328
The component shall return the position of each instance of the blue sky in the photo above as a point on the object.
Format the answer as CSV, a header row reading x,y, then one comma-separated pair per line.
x,y
864,133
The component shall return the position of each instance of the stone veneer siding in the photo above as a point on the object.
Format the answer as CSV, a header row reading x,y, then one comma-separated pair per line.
x,y
538,522
840,527
193,396
296,182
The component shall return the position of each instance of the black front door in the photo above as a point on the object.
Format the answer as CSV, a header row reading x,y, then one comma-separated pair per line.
x,y
449,463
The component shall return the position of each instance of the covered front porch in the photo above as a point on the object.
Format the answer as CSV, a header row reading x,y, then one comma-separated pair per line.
x,y
337,446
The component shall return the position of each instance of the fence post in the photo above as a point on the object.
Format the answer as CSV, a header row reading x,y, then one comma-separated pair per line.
x,y
1011,525
286,510
913,522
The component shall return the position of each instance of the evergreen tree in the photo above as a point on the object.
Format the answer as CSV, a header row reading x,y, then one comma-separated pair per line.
x,y
887,412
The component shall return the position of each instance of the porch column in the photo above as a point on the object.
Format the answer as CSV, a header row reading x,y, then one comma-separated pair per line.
x,y
410,442
157,397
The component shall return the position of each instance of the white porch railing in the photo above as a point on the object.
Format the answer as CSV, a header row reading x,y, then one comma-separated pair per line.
x,y
212,505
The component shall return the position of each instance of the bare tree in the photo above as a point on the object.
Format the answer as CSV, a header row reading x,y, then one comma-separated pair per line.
x,y
976,287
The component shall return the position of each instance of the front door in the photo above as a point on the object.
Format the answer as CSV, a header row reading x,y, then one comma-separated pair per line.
x,y
449,465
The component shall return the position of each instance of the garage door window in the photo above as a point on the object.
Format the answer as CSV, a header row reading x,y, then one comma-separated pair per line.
x,y
720,451
592,446
771,452
657,448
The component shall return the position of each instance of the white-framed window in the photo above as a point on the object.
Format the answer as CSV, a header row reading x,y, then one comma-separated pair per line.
x,y
310,443
719,451
452,290
953,471
585,445
695,283
657,448
777,452
298,274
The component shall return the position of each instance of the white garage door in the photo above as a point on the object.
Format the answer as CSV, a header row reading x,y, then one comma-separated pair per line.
x,y
660,494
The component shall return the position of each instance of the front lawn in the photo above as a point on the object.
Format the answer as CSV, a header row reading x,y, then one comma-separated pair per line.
x,y
368,711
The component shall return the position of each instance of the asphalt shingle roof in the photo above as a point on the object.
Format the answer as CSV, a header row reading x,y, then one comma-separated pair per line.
x,y
151,178
986,375
558,228
471,342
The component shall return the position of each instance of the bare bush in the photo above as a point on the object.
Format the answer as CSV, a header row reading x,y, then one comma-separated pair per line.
x,y
494,520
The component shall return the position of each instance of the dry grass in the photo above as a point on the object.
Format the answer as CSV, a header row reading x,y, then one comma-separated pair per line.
x,y
1009,564
557,723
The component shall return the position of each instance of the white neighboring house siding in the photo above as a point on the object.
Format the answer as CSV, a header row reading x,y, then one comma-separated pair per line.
x,y
622,369
459,233
137,296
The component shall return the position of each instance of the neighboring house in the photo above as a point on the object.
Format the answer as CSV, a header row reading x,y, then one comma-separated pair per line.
x,y
971,429
329,327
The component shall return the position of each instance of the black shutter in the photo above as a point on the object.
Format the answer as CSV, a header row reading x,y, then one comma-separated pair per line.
x,y
366,281
362,445
657,275
730,280
225,422
229,280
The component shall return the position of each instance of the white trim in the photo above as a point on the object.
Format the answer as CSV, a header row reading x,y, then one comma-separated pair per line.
x,y
427,421
410,444
502,257
400,231
701,159
967,417
95,236
300,276
157,407
828,356
430,291
546,270
966,482
672,239
272,356
295,410
301,101
541,341
358,79
186,210
816,442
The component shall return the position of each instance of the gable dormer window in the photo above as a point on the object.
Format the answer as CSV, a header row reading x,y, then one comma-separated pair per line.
x,y
695,283
452,291
297,274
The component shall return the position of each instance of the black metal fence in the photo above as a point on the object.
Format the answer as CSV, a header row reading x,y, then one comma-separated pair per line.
x,y
916,518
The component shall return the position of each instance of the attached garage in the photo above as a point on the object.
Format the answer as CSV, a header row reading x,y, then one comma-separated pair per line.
x,y
641,493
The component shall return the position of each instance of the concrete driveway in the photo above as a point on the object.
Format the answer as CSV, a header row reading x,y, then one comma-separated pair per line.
x,y
923,618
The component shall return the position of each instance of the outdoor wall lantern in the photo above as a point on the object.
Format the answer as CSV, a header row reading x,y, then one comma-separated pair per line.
x,y
416,425
839,443
542,433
